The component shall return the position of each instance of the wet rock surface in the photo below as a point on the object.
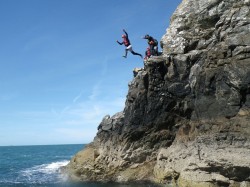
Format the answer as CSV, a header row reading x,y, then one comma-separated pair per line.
x,y
187,115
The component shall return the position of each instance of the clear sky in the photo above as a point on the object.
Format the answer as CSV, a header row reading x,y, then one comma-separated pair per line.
x,y
61,70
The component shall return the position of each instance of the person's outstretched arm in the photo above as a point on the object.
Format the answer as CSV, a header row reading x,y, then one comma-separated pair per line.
x,y
125,32
119,42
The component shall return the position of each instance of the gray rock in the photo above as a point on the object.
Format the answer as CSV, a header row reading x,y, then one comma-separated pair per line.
x,y
186,119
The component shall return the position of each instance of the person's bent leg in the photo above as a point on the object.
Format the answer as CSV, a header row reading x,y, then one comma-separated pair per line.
x,y
152,51
134,53
126,52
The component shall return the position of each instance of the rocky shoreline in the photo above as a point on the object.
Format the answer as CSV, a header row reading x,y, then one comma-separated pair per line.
x,y
186,121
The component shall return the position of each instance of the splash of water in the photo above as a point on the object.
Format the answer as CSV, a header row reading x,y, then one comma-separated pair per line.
x,y
45,173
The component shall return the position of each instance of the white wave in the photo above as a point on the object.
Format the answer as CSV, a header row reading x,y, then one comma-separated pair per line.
x,y
54,166
47,168
44,173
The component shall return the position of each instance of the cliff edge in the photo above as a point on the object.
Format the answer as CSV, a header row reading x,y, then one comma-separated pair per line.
x,y
187,115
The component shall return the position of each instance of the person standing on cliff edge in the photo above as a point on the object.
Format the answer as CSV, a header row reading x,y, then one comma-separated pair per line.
x,y
128,45
153,44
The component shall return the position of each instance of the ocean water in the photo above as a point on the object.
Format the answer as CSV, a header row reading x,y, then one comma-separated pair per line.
x,y
33,166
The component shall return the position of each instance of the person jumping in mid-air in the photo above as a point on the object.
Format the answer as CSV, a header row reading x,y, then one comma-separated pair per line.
x,y
128,45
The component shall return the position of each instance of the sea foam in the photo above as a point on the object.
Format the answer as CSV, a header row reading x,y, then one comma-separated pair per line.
x,y
44,173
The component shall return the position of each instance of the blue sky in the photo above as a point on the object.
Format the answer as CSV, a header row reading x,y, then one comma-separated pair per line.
x,y
61,70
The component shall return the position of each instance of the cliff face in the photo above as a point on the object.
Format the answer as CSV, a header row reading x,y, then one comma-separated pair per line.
x,y
187,114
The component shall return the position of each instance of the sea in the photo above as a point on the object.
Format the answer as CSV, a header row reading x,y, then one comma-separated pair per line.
x,y
39,166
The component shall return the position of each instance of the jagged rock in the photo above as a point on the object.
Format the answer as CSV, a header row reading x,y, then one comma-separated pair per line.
x,y
179,89
108,123
136,71
187,115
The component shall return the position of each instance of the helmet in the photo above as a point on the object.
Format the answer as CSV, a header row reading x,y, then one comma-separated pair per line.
x,y
123,36
146,36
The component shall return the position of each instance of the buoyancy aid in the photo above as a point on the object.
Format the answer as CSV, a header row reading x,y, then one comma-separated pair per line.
x,y
126,41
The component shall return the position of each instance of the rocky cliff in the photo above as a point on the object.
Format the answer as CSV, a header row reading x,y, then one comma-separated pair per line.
x,y
187,114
